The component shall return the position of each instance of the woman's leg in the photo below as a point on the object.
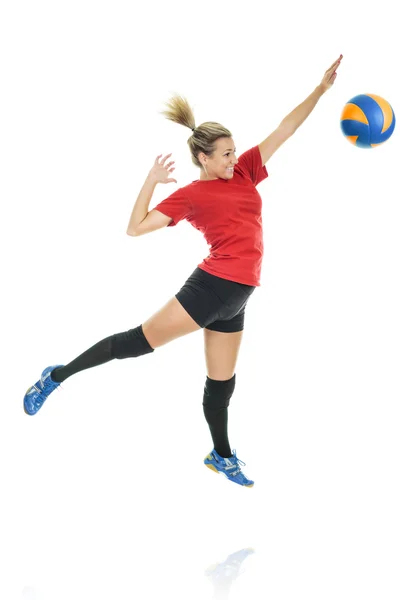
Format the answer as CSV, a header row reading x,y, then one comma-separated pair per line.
x,y
169,323
221,351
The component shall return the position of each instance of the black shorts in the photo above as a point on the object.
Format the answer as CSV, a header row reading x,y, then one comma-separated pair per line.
x,y
215,303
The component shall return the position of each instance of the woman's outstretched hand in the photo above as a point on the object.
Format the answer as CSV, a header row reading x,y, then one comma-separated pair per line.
x,y
330,75
160,171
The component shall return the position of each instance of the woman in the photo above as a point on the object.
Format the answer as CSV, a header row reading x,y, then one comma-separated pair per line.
x,y
226,207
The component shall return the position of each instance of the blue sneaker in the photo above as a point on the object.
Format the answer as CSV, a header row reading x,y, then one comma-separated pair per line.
x,y
230,467
38,393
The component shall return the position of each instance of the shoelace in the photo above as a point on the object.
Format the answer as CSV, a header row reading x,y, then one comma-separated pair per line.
x,y
237,462
43,385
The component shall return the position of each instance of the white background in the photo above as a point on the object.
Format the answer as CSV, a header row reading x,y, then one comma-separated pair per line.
x,y
104,492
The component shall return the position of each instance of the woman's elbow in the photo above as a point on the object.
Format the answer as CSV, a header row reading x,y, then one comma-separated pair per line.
x,y
131,233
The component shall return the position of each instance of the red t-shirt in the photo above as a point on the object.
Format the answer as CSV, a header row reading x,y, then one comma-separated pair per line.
x,y
228,213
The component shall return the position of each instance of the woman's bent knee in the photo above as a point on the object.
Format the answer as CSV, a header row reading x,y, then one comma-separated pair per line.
x,y
169,323
130,344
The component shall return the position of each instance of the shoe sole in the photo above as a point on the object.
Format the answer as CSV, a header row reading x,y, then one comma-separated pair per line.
x,y
25,411
210,466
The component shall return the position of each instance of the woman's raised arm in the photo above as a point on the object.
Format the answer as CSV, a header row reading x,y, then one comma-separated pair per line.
x,y
294,119
159,173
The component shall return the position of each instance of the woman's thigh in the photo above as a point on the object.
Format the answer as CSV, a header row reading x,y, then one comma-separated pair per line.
x,y
221,352
169,323
202,302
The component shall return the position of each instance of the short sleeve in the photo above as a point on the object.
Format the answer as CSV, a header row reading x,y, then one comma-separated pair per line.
x,y
177,206
250,165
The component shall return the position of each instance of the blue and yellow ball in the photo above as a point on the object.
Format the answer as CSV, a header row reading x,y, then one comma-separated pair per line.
x,y
367,120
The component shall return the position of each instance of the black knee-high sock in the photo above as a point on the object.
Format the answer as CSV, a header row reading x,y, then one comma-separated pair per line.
x,y
217,395
128,344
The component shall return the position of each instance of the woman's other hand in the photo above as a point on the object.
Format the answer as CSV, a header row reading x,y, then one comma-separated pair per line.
x,y
160,171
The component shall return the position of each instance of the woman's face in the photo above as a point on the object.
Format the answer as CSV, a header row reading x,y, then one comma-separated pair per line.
x,y
221,164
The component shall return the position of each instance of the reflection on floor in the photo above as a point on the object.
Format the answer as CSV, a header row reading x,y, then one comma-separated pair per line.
x,y
29,593
222,575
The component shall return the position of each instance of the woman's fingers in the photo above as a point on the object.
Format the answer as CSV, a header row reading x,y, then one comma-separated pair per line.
x,y
162,162
165,158
336,63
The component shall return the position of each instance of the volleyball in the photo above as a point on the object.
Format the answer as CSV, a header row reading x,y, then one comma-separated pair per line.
x,y
367,120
